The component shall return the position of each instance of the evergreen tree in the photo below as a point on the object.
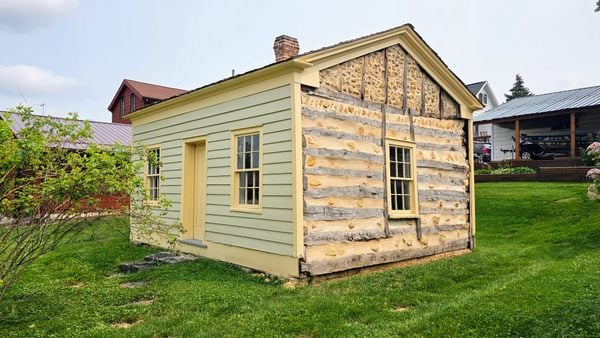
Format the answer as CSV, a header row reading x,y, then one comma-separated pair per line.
x,y
598,6
518,89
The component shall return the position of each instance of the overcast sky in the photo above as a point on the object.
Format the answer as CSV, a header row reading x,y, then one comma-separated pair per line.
x,y
72,55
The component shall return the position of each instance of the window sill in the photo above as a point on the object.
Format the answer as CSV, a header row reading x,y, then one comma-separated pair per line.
x,y
247,210
403,216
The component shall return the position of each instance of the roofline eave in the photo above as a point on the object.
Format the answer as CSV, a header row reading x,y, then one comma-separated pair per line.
x,y
540,115
280,68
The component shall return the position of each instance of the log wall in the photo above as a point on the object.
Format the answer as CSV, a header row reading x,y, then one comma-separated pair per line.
x,y
385,94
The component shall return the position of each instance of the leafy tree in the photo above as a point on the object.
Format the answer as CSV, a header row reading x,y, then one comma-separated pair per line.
x,y
598,6
51,187
518,89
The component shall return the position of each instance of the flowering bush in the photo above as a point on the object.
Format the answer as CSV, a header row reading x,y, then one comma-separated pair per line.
x,y
593,155
594,150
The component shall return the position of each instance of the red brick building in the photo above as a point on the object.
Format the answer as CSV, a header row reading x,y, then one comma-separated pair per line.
x,y
133,95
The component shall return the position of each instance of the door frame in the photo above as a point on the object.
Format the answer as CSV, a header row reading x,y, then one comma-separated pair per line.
x,y
193,204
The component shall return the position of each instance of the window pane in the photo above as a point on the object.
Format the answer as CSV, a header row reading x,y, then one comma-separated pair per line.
x,y
255,142
400,170
132,102
393,169
399,189
393,187
255,159
247,160
242,196
392,154
394,205
256,195
407,171
250,196
240,144
399,203
248,145
406,202
406,187
239,161
250,176
242,180
256,182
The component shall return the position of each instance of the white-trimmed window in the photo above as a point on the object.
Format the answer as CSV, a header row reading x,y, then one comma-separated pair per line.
x,y
131,102
401,170
122,107
153,174
247,162
483,98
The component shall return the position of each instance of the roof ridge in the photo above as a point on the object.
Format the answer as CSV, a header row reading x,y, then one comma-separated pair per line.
x,y
78,119
478,82
556,92
153,84
405,25
408,24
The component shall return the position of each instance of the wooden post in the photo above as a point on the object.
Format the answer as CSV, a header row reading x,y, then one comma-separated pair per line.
x,y
573,136
517,140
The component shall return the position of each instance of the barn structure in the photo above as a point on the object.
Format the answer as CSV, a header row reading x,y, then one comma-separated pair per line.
x,y
350,156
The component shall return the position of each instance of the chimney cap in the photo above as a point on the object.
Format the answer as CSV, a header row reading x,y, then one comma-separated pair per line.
x,y
285,37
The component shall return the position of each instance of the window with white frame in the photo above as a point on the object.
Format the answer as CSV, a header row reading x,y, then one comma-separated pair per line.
x,y
153,174
247,173
132,102
402,200
122,107
483,98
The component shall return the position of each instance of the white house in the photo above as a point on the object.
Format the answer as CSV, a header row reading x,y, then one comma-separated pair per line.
x,y
483,91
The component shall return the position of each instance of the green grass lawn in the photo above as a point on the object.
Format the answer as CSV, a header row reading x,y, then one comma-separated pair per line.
x,y
536,272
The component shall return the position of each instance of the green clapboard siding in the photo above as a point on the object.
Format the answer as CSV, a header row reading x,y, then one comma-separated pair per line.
x,y
272,229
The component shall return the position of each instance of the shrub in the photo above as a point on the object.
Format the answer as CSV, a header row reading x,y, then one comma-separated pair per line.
x,y
592,157
50,190
505,170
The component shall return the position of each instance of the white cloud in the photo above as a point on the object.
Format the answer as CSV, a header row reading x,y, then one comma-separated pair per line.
x,y
22,16
33,81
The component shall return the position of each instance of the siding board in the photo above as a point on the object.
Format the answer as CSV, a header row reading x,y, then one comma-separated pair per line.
x,y
270,230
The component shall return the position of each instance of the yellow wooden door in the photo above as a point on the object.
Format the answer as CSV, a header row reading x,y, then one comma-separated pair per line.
x,y
199,189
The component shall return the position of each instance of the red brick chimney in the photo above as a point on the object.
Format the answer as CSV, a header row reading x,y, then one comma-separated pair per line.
x,y
285,47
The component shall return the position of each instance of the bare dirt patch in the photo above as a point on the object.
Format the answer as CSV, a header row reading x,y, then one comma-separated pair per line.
x,y
125,325
400,309
144,302
77,285
133,285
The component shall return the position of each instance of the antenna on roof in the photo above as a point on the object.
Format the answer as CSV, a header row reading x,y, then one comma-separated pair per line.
x,y
23,96
43,105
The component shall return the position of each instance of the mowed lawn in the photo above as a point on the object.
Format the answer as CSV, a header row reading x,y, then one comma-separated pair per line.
x,y
536,272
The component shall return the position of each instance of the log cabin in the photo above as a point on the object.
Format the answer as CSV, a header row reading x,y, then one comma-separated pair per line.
x,y
352,156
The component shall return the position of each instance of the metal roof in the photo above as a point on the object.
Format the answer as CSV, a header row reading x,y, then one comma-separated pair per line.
x,y
103,133
476,87
544,103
